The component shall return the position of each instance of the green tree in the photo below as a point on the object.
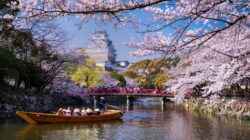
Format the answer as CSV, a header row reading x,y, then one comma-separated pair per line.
x,y
88,75
151,73
6,27
29,58
8,61
160,79
10,65
22,57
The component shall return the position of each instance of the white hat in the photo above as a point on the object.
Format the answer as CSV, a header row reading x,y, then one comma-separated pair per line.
x,y
89,110
97,110
76,110
102,98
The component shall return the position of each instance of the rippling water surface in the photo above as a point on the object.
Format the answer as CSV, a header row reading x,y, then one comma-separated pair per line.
x,y
144,121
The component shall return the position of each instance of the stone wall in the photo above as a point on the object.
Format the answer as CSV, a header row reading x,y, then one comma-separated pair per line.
x,y
236,108
10,103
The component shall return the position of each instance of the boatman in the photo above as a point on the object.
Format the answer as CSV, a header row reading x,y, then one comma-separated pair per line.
x,y
101,104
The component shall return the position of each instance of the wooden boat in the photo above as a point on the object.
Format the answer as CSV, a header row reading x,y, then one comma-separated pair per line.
x,y
37,118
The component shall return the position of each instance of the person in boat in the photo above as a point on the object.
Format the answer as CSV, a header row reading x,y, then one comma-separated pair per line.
x,y
83,112
72,110
97,111
101,104
68,112
77,112
64,112
89,111
59,112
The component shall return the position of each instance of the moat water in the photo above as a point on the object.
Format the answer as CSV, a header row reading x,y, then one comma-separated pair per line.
x,y
144,121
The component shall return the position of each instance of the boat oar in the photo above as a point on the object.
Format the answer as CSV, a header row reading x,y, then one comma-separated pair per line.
x,y
110,106
119,109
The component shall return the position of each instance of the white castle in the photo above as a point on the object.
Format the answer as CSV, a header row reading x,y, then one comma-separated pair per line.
x,y
101,48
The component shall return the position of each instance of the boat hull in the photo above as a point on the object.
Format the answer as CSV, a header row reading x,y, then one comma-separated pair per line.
x,y
37,118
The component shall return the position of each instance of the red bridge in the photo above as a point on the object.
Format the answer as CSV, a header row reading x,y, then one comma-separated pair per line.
x,y
127,92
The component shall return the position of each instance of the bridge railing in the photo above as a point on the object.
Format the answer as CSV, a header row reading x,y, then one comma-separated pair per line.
x,y
127,91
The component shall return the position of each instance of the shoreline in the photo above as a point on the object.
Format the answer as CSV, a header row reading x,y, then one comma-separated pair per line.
x,y
233,108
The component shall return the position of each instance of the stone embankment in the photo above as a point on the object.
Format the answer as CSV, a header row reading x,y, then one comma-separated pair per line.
x,y
224,107
9,103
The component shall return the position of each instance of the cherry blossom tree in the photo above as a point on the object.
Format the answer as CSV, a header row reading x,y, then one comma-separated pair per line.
x,y
130,82
61,81
220,63
188,23
108,81
63,85
214,31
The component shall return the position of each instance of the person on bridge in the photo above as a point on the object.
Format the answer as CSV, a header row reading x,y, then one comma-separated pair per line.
x,y
101,104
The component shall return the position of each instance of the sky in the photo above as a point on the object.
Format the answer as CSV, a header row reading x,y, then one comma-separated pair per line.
x,y
79,37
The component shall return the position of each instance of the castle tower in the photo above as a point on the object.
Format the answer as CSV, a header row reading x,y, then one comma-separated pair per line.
x,y
101,48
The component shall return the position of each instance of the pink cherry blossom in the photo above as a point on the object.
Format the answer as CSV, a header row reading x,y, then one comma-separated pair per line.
x,y
219,64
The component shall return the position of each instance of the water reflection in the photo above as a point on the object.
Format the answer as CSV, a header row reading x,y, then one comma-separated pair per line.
x,y
92,131
142,122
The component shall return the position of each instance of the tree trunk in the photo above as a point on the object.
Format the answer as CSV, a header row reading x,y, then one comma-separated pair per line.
x,y
1,78
18,80
247,91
